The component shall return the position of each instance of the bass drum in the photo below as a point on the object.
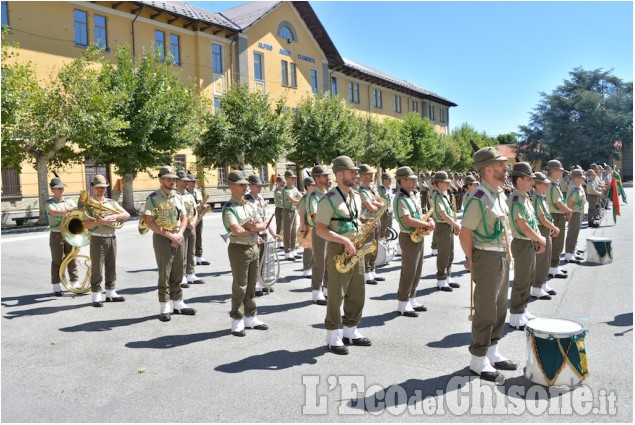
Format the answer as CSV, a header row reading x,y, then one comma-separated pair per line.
x,y
385,252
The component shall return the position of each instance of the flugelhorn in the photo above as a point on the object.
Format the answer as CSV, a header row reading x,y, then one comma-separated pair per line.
x,y
98,210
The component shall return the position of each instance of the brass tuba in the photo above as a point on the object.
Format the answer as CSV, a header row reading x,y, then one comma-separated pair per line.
x,y
345,262
98,210
269,269
75,234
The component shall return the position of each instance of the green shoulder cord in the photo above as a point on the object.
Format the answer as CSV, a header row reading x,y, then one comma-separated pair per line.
x,y
498,227
578,202
523,211
57,219
437,216
414,214
232,211
539,207
551,189
343,226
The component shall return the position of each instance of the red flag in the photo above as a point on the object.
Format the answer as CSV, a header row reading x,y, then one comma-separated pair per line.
x,y
615,199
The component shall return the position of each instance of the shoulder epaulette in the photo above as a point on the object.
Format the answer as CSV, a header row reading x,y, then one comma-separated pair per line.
x,y
515,198
478,194
330,194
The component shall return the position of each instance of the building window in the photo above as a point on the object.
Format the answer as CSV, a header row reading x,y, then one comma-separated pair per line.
x,y
5,14
285,32
81,27
222,176
179,161
431,112
10,182
424,108
159,44
333,86
217,58
175,49
294,80
441,115
397,104
217,108
100,32
314,80
258,74
377,100
285,73
353,92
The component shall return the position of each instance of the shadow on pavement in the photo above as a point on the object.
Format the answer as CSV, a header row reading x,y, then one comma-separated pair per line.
x,y
275,360
43,310
453,340
107,325
171,341
27,299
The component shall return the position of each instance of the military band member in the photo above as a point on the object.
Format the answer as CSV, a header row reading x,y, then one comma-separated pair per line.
x,y
103,245
277,199
189,235
385,193
593,194
260,204
409,216
540,289
290,199
561,213
307,255
425,184
338,223
197,192
484,244
444,228
168,243
526,243
371,204
319,275
470,185
56,207
243,221
575,200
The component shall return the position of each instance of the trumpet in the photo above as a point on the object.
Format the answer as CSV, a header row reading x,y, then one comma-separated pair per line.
x,y
98,210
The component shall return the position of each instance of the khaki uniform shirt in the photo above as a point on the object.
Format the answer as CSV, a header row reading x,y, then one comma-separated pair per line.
x,y
105,230
340,214
405,204
239,212
485,214
302,206
593,187
367,194
440,203
56,221
553,195
312,204
541,207
520,206
576,193
260,204
277,197
288,193
189,204
156,198
386,194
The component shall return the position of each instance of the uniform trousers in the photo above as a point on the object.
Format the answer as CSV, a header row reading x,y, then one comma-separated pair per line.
x,y
371,258
103,257
572,232
385,222
490,273
445,247
543,260
319,275
289,229
278,215
198,252
59,250
557,243
411,265
170,265
348,288
189,242
244,263
524,270
593,207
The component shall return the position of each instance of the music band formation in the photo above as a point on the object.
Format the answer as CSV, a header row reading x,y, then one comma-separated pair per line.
x,y
519,227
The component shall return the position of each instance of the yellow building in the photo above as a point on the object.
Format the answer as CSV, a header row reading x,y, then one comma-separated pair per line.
x,y
280,48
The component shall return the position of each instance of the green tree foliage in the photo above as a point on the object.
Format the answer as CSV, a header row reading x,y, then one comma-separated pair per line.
x,y
506,139
467,138
162,113
248,130
424,141
580,121
51,124
323,128
383,143
451,153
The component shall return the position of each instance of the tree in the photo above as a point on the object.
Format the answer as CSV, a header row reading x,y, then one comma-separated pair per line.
x,y
580,121
451,153
383,143
322,129
247,130
51,124
162,113
506,139
469,141
420,135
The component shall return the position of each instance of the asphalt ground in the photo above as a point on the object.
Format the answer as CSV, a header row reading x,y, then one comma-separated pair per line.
x,y
65,361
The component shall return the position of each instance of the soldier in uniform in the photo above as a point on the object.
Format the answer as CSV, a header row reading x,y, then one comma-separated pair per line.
x,y
371,203
575,200
561,213
338,223
189,235
526,243
540,289
593,194
484,242
197,192
385,193
103,245
307,255
290,199
56,207
243,222
444,228
277,200
470,185
424,190
168,243
260,205
408,214
319,275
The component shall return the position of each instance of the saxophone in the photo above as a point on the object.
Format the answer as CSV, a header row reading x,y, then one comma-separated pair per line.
x,y
345,262
417,235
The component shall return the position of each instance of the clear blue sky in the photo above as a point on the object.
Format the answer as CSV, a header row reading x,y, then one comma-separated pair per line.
x,y
491,58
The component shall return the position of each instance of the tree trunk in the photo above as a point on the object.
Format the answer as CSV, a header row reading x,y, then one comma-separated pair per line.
x,y
41,166
128,194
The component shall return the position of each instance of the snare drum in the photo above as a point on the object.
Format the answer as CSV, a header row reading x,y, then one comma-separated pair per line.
x,y
556,355
385,253
599,250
